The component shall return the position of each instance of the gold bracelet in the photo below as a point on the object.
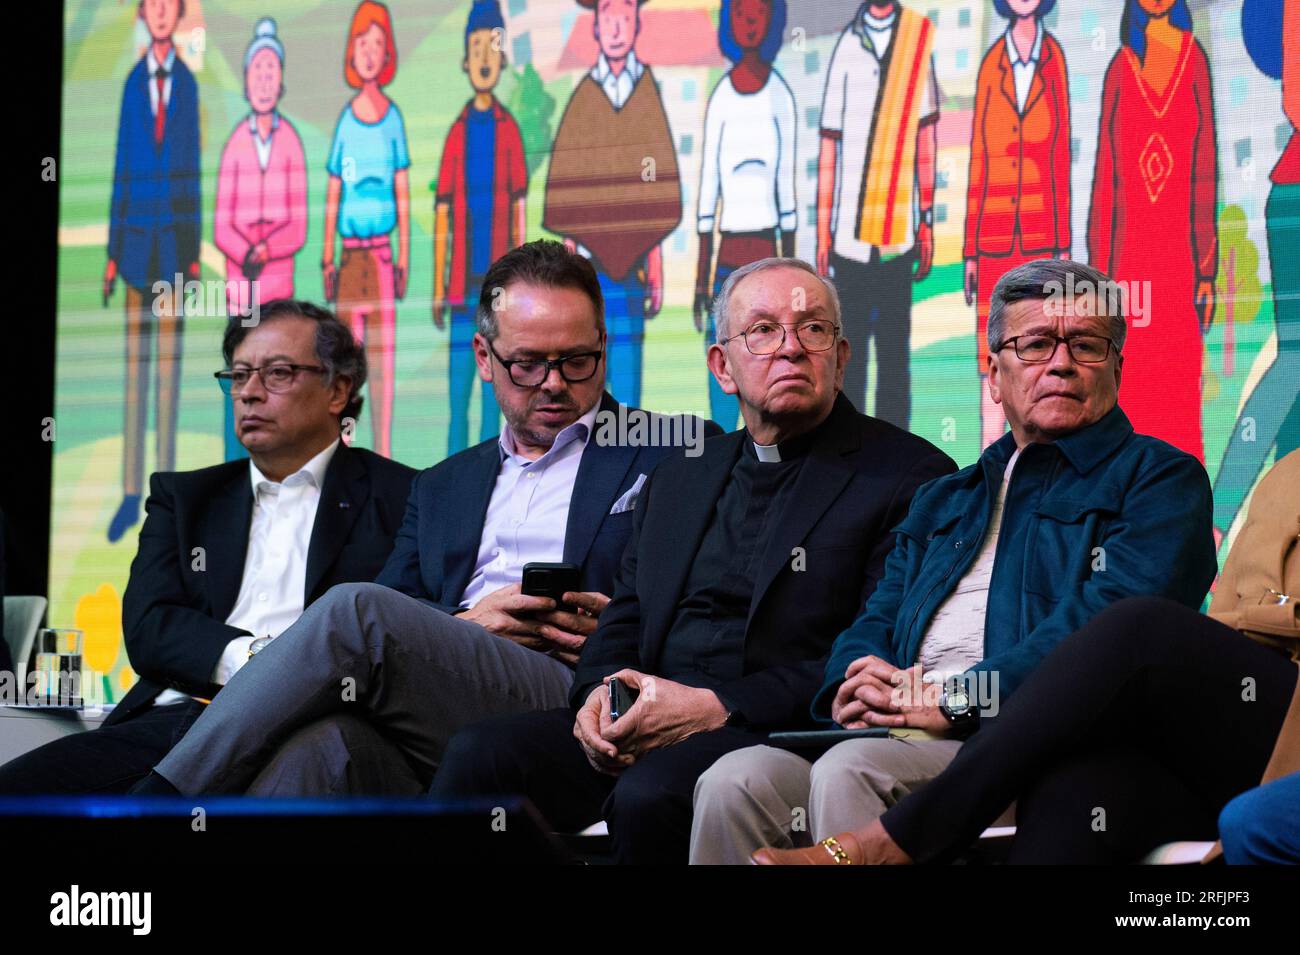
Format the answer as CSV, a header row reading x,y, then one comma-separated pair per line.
x,y
832,845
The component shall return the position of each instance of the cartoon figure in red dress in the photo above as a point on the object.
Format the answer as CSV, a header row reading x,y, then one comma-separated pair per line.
x,y
1152,224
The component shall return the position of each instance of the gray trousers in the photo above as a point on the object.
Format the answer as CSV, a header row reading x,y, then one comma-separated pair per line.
x,y
360,695
763,796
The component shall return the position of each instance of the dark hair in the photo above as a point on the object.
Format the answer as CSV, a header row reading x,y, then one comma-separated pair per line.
x,y
1133,25
1042,279
771,43
1004,9
336,347
180,11
540,262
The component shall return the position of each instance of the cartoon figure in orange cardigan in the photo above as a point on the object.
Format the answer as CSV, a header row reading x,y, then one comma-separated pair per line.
x,y
1018,197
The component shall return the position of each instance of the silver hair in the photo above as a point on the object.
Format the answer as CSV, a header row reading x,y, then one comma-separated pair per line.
x,y
1043,279
723,300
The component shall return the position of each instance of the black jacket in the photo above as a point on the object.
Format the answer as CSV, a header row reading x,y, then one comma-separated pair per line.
x,y
853,489
175,605
437,546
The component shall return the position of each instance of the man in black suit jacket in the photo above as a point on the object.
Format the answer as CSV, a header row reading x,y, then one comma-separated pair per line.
x,y
744,565
232,553
363,693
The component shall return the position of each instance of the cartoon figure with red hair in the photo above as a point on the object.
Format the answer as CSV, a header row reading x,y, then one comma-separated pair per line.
x,y
368,195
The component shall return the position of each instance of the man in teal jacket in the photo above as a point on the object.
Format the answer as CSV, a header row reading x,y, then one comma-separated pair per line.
x,y
993,566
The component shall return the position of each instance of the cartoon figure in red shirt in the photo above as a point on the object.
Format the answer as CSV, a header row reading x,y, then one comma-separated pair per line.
x,y
1152,225
481,197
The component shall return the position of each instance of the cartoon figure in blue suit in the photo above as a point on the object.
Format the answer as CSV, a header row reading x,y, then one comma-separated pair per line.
x,y
153,237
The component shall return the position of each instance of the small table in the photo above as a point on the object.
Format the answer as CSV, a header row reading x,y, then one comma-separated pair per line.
x,y
23,728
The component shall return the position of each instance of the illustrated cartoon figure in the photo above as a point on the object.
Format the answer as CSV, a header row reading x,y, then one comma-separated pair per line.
x,y
1152,223
260,219
153,236
368,194
612,190
875,191
1018,192
749,137
481,197
1271,415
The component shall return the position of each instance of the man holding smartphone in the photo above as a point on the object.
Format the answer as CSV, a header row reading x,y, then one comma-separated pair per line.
x,y
361,695
743,565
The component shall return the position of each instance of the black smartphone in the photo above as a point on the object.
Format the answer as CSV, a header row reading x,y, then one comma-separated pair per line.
x,y
621,697
551,580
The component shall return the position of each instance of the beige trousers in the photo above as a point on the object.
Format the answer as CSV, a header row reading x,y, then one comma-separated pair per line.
x,y
763,796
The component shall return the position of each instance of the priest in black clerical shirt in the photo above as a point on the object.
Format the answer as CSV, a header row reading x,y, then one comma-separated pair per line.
x,y
744,564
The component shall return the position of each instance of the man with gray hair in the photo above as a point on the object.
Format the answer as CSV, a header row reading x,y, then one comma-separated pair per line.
x,y
744,563
361,695
993,566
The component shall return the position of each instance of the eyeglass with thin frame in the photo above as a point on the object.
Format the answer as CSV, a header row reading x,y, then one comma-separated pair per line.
x,y
767,338
532,372
1085,349
276,378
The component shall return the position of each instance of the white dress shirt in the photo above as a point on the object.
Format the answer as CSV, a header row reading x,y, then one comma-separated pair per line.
x,y
529,510
275,566
954,640
151,62
1023,70
617,87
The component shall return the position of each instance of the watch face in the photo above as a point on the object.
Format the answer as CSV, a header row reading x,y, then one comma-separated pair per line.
x,y
955,699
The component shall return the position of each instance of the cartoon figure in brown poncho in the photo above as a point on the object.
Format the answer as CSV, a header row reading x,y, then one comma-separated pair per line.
x,y
613,190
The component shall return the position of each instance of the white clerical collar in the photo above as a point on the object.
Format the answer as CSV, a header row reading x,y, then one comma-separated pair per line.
x,y
313,471
768,453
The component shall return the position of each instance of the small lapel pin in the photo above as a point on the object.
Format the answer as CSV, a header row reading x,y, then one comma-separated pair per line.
x,y
343,504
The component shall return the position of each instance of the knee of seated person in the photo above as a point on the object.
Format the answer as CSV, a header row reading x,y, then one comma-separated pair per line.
x,y
1129,620
852,759
733,778
635,798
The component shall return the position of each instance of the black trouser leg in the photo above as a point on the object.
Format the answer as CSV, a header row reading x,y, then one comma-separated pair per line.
x,y
892,333
110,759
1186,692
533,754
1107,807
852,282
649,812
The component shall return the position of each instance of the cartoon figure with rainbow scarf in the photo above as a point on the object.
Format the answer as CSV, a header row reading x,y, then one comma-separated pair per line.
x,y
875,191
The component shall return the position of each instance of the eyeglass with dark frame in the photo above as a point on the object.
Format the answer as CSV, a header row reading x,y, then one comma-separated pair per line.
x,y
1036,349
761,337
276,378
532,372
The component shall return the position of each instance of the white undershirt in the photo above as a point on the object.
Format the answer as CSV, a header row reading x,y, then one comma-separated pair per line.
x,y
273,587
954,640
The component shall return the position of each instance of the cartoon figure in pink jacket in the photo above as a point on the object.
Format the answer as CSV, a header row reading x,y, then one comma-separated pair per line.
x,y
261,215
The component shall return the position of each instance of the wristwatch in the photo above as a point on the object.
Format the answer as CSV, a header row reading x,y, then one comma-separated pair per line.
x,y
927,216
957,707
257,646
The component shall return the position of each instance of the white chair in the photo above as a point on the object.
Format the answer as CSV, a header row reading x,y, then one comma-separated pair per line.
x,y
23,616
1178,853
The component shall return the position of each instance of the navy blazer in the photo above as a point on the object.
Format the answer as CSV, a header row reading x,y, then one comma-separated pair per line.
x,y
153,219
438,543
175,607
820,564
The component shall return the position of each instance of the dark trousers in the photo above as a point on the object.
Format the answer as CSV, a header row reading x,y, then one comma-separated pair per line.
x,y
876,298
1135,731
647,806
110,759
